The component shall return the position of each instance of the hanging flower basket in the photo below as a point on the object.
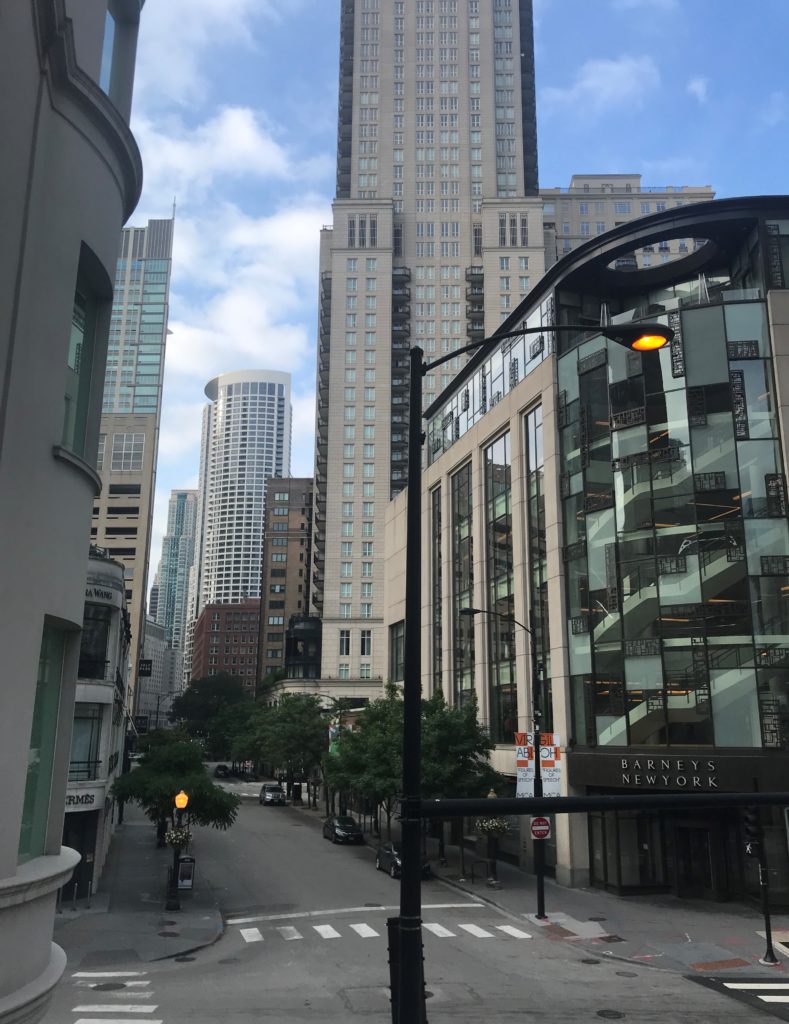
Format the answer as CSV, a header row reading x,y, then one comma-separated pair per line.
x,y
493,826
178,837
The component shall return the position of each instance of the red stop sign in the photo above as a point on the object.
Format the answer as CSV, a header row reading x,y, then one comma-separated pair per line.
x,y
540,828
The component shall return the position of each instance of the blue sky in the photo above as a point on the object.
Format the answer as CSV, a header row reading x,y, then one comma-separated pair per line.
x,y
235,113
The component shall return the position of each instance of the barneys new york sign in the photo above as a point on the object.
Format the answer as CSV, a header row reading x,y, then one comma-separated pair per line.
x,y
674,773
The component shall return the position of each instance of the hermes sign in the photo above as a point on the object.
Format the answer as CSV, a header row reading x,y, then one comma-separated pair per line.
x,y
669,773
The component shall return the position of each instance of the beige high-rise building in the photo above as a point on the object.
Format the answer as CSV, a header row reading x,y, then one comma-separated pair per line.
x,y
436,235
129,438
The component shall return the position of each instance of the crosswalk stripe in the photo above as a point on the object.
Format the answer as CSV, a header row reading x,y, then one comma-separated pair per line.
x,y
326,931
251,935
439,930
774,999
365,931
516,933
476,931
111,1020
108,974
289,933
743,985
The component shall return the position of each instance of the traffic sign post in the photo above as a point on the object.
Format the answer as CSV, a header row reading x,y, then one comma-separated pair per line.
x,y
540,828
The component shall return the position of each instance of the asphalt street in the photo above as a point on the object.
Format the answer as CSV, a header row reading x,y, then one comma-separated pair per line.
x,y
305,940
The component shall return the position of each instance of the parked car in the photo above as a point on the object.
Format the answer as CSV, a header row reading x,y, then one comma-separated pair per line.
x,y
342,829
221,772
387,858
271,793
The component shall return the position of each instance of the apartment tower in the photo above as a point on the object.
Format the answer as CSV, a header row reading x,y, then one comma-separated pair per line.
x,y
437,220
173,575
246,440
131,412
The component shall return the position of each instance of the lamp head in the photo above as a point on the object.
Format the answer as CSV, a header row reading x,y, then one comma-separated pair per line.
x,y
469,611
181,800
640,337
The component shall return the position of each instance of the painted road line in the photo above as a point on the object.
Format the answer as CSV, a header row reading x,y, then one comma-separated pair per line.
x,y
510,929
476,931
439,930
109,974
95,984
326,931
774,999
257,918
365,931
112,1020
251,935
114,1008
289,934
745,985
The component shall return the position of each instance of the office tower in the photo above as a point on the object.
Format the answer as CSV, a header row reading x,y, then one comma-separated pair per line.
x,y
153,599
176,561
246,439
71,178
437,213
285,576
596,203
131,412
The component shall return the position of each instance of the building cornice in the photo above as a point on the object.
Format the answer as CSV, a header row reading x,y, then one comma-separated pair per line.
x,y
69,83
37,878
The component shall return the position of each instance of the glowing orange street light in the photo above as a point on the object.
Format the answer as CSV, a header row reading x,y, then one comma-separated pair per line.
x,y
181,800
640,337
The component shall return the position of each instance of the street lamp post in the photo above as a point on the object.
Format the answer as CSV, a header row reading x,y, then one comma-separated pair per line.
x,y
408,1001
536,702
181,801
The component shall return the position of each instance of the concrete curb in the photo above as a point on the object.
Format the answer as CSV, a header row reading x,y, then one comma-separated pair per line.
x,y
192,949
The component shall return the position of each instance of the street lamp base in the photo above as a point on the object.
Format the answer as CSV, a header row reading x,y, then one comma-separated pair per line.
x,y
769,961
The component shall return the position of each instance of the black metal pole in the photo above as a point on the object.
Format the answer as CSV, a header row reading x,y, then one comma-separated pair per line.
x,y
539,844
769,958
410,1001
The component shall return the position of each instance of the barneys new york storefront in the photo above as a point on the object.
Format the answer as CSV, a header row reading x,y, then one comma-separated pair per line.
x,y
693,854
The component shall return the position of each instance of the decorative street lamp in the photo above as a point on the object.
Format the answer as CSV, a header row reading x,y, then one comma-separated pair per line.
x,y
177,837
536,711
409,1001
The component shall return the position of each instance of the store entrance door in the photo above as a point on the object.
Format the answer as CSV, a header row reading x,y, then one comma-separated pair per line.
x,y
700,869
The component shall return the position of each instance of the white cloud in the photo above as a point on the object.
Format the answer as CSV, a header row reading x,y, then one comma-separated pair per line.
x,y
697,87
602,85
302,458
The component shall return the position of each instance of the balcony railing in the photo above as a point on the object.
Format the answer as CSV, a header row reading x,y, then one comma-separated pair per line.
x,y
93,668
83,771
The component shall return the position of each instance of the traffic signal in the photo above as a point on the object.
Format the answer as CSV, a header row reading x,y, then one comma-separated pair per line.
x,y
753,830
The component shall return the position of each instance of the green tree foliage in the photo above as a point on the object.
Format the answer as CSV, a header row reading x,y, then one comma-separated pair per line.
x,y
455,750
164,771
369,758
204,699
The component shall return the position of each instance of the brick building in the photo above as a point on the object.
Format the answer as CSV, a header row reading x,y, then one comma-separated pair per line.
x,y
225,640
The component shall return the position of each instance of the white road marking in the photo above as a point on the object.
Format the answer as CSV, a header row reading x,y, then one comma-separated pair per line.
x,y
510,929
365,931
326,931
109,974
345,910
755,984
439,930
251,935
95,984
289,933
476,931
112,1020
774,999
114,1008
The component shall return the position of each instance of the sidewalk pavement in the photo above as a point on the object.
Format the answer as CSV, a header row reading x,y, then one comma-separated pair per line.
x,y
126,920
690,936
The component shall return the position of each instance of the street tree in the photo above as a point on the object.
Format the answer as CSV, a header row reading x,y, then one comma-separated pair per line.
x,y
203,699
165,770
295,734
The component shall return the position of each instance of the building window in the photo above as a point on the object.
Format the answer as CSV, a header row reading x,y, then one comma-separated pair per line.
x,y
41,753
366,610
79,369
366,643
500,598
345,611
463,584
364,671
85,743
345,643
93,642
397,652
343,670
127,453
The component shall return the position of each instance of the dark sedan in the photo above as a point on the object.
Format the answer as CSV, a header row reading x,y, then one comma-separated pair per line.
x,y
342,829
387,858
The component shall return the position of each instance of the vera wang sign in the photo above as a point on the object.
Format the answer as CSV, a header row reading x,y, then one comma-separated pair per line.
x,y
669,772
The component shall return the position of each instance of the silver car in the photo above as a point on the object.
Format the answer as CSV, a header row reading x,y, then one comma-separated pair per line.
x,y
272,793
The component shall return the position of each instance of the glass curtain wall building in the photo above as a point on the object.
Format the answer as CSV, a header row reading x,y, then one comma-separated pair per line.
x,y
648,534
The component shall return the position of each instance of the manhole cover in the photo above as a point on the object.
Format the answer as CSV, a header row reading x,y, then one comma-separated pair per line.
x,y
611,938
627,974
590,961
610,1014
229,960
185,959
598,918
169,935
110,986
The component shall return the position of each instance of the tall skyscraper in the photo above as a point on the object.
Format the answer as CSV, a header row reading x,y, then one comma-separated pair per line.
x,y
437,212
246,440
131,412
178,546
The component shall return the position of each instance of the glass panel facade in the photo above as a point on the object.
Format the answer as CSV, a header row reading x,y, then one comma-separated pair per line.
x,y
499,598
677,542
538,570
438,633
462,586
